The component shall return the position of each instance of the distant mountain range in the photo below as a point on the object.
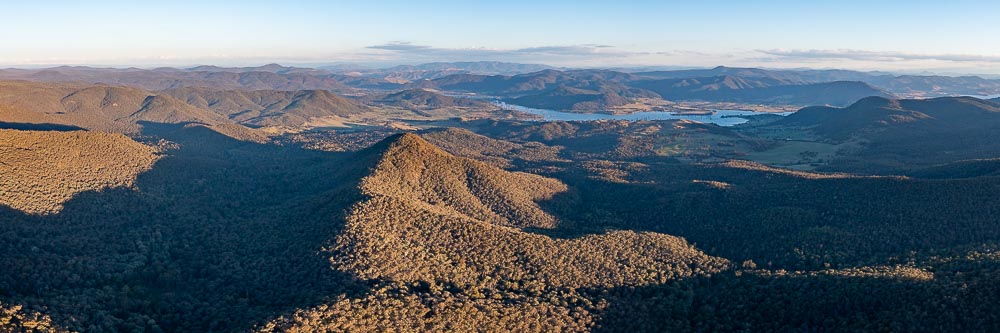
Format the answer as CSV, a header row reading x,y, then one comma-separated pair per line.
x,y
541,86
267,77
763,90
594,90
408,73
901,85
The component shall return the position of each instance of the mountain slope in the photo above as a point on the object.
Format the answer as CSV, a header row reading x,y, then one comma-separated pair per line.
x,y
574,99
44,169
270,107
878,114
95,107
421,99
760,90
431,216
902,134
436,257
924,86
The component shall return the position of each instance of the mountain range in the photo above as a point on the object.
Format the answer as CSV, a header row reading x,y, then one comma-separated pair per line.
x,y
902,85
408,73
267,77
584,90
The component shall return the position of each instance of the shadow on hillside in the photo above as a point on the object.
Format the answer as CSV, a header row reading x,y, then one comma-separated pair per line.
x,y
785,222
727,302
220,235
40,127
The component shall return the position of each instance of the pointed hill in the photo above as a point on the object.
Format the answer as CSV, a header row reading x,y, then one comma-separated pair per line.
x,y
413,169
430,216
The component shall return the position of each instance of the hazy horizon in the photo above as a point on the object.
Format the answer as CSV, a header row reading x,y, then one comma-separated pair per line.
x,y
896,36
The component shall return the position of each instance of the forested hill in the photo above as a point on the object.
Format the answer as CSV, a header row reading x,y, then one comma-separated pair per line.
x,y
408,235
120,109
421,99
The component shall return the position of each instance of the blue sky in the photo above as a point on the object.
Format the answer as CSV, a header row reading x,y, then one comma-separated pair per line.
x,y
943,36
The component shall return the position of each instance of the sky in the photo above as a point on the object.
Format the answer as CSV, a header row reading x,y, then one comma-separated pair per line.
x,y
909,36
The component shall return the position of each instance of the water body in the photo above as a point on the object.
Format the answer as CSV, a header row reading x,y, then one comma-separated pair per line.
x,y
719,117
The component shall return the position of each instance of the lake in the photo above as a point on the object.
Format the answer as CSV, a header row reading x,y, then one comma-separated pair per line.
x,y
719,117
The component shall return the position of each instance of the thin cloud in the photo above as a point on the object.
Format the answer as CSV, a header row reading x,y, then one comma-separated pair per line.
x,y
400,46
555,53
863,55
569,50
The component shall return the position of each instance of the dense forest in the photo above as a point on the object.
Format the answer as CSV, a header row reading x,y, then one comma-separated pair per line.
x,y
527,229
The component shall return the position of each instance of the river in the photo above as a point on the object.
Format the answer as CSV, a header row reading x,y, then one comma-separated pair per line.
x,y
718,117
